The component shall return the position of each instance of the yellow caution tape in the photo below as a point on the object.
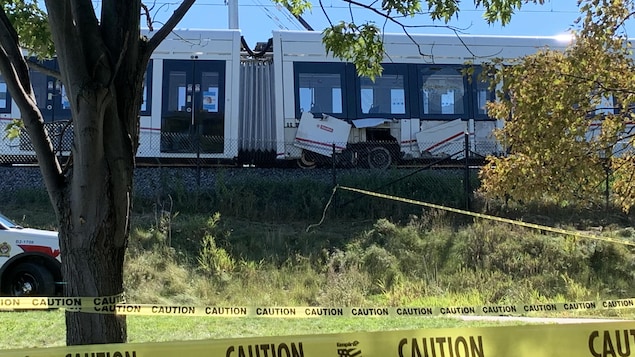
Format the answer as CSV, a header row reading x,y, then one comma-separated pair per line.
x,y
115,305
318,312
610,339
45,303
485,216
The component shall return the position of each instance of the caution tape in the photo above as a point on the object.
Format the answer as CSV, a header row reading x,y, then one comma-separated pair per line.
x,y
492,218
114,305
45,303
318,312
610,339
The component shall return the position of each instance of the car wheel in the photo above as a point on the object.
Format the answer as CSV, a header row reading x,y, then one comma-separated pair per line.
x,y
29,279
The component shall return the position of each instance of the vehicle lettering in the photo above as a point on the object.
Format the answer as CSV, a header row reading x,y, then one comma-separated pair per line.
x,y
24,241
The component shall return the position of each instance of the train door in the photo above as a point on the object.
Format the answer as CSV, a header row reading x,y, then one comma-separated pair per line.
x,y
50,94
55,107
192,115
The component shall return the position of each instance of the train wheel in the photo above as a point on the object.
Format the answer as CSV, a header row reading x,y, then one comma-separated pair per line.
x,y
379,158
305,163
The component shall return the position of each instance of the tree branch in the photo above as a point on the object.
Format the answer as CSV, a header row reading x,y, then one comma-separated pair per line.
x,y
63,28
325,13
43,69
16,75
146,13
623,21
389,18
163,32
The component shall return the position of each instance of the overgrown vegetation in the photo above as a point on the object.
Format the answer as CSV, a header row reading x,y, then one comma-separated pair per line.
x,y
181,255
422,262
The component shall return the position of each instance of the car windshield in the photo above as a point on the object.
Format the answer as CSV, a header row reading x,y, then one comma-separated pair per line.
x,y
7,222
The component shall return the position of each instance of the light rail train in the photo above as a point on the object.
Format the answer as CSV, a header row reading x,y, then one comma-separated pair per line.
x,y
211,99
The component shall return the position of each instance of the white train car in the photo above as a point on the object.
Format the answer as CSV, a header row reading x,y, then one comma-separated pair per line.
x,y
189,110
422,105
191,97
209,98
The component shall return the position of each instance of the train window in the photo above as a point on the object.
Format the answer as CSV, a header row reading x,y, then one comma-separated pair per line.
x,y
442,91
482,97
40,85
211,117
210,83
146,104
177,91
66,104
603,102
482,94
320,88
386,95
605,105
5,98
320,92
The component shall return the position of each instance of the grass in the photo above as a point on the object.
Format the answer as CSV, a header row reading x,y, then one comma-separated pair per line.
x,y
426,258
36,329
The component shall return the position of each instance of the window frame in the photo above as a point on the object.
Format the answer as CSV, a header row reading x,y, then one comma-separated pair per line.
x,y
473,98
419,92
7,108
388,69
470,95
412,73
148,86
344,70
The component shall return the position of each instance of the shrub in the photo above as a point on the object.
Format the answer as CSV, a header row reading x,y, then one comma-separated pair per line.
x,y
212,260
382,268
348,287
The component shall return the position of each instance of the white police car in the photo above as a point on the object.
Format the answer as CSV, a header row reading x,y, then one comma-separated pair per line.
x,y
29,261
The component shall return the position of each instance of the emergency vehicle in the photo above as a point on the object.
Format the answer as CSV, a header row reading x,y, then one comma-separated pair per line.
x,y
30,262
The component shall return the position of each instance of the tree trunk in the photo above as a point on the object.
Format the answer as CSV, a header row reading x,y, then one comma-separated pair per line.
x,y
94,247
94,270
94,216
102,63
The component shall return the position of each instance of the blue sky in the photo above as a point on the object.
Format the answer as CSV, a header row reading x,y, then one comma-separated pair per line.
x,y
257,18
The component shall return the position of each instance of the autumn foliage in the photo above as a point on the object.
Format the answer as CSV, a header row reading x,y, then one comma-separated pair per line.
x,y
568,118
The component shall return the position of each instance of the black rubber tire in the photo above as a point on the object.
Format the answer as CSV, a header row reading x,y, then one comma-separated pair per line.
x,y
29,279
304,162
379,158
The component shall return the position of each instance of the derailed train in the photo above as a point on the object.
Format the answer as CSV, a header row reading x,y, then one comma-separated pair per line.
x,y
208,97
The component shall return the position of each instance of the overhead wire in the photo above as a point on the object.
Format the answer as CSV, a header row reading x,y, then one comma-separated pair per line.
x,y
287,20
270,15
346,6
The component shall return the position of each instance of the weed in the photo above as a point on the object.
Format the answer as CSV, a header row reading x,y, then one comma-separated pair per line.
x,y
366,252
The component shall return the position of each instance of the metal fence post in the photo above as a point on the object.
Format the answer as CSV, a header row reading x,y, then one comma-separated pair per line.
x,y
468,187
334,176
607,190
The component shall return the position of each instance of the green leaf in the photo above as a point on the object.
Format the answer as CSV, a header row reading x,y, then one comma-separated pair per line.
x,y
297,7
13,129
31,24
359,44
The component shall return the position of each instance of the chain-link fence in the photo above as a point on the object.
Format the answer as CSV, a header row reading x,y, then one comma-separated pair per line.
x,y
293,193
194,147
19,151
298,179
